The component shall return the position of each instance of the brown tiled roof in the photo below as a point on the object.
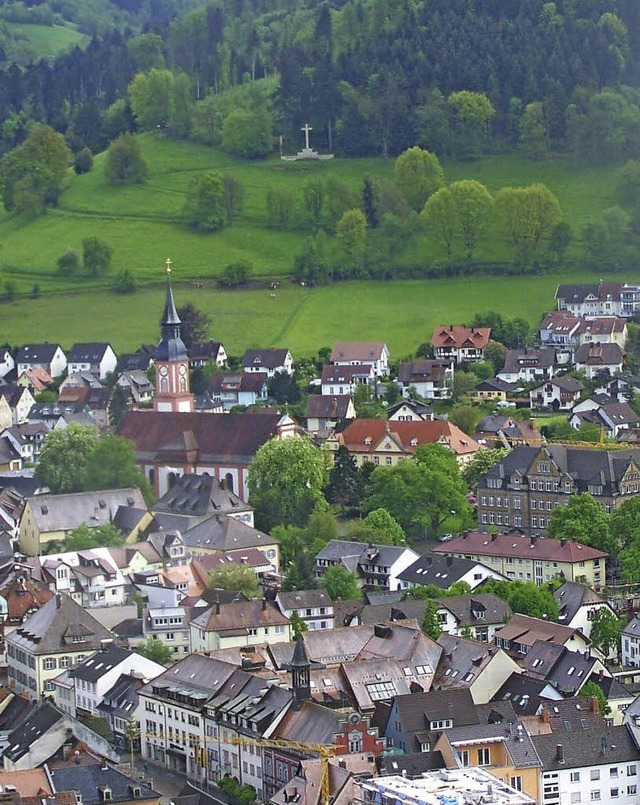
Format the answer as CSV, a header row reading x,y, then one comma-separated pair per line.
x,y
607,325
334,406
22,596
599,354
240,615
230,437
520,547
456,336
238,381
422,371
356,435
345,374
526,630
357,351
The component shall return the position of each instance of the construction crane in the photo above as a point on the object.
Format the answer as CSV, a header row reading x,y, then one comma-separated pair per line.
x,y
324,752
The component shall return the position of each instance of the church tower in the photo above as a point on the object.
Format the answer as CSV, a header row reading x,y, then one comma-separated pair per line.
x,y
172,361
300,674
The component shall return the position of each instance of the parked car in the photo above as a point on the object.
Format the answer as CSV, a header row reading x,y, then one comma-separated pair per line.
x,y
445,538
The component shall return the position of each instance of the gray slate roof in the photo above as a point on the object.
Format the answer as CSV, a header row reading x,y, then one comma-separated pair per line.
x,y
523,692
199,496
51,628
91,780
99,664
65,512
433,568
593,746
571,596
222,533
465,609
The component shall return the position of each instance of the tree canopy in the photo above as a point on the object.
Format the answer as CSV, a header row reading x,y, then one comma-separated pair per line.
x,y
83,537
584,520
286,479
63,460
237,578
341,583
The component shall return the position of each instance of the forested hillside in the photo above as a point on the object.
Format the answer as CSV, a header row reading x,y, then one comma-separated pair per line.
x,y
373,77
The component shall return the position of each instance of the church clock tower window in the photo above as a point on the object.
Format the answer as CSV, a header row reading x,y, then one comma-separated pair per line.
x,y
172,362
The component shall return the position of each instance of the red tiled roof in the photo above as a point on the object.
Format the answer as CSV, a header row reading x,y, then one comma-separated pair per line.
x,y
232,437
520,547
356,436
456,336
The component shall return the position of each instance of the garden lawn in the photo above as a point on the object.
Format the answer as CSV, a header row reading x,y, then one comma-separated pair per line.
x,y
402,313
49,40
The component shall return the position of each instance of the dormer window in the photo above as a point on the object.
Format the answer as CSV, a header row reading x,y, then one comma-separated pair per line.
x,y
367,440
106,794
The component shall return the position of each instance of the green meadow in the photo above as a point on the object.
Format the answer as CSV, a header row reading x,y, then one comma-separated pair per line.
x,y
143,226
403,313
48,41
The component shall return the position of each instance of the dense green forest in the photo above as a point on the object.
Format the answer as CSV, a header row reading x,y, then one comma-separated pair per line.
x,y
458,77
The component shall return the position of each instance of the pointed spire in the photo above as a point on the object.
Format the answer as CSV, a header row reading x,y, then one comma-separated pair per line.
x,y
170,314
300,657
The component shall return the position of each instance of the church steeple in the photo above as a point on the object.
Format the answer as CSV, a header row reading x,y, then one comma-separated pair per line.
x,y
300,674
172,360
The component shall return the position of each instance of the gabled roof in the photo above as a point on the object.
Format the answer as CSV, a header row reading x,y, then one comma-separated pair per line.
x,y
329,406
564,383
517,359
593,354
524,630
37,353
523,692
94,667
238,616
462,661
222,382
304,599
271,358
337,373
476,609
88,353
572,596
601,291
365,435
443,571
363,351
457,336
424,371
416,711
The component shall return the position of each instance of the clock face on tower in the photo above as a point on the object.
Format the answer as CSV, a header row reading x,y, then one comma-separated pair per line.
x,y
183,369
164,371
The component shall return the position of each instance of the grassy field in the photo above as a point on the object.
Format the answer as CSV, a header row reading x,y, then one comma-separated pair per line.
x,y
143,226
402,313
48,40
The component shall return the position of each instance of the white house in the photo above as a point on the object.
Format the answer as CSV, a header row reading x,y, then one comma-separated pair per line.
x,y
578,604
7,363
377,565
238,623
239,388
478,616
340,380
354,353
528,365
97,358
631,643
596,359
272,361
93,677
558,393
314,607
46,356
432,379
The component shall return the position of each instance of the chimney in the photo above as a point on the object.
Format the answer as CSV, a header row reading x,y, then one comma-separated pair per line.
x,y
595,706
449,561
58,600
563,542
103,764
494,537
217,607
560,753
264,604
545,715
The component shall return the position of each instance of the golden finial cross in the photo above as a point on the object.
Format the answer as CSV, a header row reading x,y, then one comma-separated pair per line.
x,y
168,262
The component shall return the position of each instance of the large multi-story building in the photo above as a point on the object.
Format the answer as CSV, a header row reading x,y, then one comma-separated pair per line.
x,y
530,558
523,489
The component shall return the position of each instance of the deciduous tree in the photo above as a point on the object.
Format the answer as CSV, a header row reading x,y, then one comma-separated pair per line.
x,y
96,257
205,208
529,215
155,650
237,578
112,465
417,174
606,631
83,537
472,203
124,163
584,520
286,479
439,218
480,464
341,584
63,459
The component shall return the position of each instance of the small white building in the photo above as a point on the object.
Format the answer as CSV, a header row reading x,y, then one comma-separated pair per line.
x,y
355,353
97,358
46,356
314,607
271,361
